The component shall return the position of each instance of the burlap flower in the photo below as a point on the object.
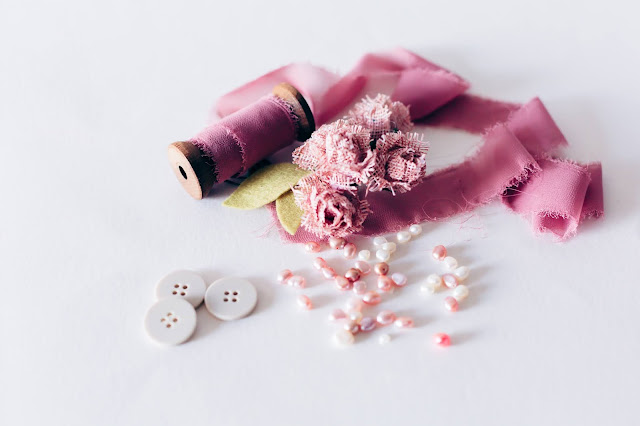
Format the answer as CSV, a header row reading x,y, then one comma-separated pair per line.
x,y
381,116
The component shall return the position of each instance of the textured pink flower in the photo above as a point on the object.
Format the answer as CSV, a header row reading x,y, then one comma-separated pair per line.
x,y
328,211
400,162
381,116
340,152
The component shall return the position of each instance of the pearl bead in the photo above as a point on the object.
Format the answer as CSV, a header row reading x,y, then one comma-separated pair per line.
x,y
354,304
450,263
349,251
451,304
360,287
381,268
337,315
284,275
385,283
312,247
364,255
304,302
435,280
355,316
384,339
379,241
462,273
351,326
439,252
342,283
404,322
399,279
390,247
382,255
450,280
363,267
403,237
441,339
297,281
319,263
328,272
460,292
344,337
371,298
336,243
415,229
367,324
386,317
352,274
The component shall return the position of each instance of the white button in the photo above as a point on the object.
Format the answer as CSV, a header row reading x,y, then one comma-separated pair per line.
x,y
231,298
170,321
182,284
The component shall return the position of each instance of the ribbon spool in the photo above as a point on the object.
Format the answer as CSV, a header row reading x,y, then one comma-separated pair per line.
x,y
266,126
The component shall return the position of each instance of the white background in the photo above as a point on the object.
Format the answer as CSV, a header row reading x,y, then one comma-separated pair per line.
x,y
92,93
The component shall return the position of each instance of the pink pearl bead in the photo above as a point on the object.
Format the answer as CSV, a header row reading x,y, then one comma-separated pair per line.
x,y
349,251
360,287
284,275
319,263
399,279
386,317
381,268
441,339
367,324
297,281
312,247
304,302
336,243
450,280
328,272
363,266
439,252
352,326
342,283
352,275
371,298
385,283
354,305
337,315
451,304
404,322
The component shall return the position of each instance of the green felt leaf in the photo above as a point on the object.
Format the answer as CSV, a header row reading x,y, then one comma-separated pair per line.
x,y
265,186
289,213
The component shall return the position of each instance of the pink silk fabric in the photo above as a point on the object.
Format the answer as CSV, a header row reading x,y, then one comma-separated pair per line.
x,y
514,162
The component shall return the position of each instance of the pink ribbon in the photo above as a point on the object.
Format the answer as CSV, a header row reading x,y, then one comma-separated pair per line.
x,y
514,162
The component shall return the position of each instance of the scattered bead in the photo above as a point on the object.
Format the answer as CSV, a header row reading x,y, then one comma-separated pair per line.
x,y
344,337
415,229
363,267
403,237
336,243
450,263
386,317
297,281
462,273
367,324
442,339
371,298
381,268
351,326
364,255
451,304
337,315
379,241
390,247
450,280
460,292
360,287
399,279
382,255
349,251
385,283
284,275
433,284
354,304
328,272
355,316
342,283
312,247
404,322
319,263
304,302
439,252
384,339
352,275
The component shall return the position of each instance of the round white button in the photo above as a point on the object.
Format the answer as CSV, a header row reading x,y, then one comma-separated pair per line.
x,y
182,284
170,321
231,298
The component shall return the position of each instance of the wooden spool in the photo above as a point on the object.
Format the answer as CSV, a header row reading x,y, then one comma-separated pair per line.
x,y
196,171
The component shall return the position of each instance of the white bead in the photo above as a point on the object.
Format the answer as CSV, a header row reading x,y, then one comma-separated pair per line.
x,y
460,292
343,337
434,282
355,316
379,241
364,255
390,247
450,263
384,339
403,237
415,229
462,273
382,255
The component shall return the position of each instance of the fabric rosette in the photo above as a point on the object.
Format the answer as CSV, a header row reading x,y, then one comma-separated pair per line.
x,y
380,115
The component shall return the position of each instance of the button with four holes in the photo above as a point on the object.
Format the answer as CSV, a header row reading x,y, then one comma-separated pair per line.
x,y
170,321
182,284
231,298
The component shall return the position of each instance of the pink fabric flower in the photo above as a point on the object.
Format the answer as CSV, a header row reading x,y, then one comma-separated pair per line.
x,y
328,211
381,116
339,152
401,162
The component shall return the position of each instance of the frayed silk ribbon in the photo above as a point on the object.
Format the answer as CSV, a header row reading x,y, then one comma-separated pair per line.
x,y
514,161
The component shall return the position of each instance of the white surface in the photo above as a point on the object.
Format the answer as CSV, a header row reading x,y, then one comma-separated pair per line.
x,y
182,284
170,321
92,92
231,298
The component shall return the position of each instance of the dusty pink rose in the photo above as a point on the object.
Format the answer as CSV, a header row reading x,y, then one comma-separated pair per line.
x,y
400,162
328,211
381,115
